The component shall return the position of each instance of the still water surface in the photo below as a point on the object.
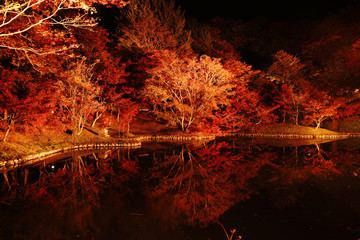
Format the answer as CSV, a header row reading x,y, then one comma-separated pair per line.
x,y
264,190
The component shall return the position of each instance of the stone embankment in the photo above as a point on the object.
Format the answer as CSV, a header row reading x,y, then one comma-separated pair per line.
x,y
123,143
172,138
34,158
136,143
294,136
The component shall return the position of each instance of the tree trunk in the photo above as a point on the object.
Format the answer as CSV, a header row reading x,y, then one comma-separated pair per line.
x,y
96,117
6,114
81,125
8,130
6,133
7,179
94,120
182,124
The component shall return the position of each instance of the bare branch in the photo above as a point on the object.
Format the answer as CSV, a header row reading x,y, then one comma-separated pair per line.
x,y
58,51
15,7
33,24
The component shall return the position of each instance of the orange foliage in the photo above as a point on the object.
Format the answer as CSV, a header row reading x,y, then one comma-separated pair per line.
x,y
187,89
39,29
322,107
286,68
25,102
154,25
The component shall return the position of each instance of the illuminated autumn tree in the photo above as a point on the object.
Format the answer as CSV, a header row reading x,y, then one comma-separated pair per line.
x,y
322,107
39,31
188,89
79,94
13,99
109,73
286,68
154,25
292,101
247,108
294,92
38,35
24,101
207,40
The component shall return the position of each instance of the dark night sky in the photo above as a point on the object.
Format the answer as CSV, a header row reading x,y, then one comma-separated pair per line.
x,y
273,10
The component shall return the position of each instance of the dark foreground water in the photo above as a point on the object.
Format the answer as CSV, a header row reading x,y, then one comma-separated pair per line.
x,y
264,190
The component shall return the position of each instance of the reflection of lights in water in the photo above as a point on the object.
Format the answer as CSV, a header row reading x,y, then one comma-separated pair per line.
x,y
51,167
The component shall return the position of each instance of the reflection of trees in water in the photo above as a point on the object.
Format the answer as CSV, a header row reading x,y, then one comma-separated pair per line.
x,y
82,178
202,183
68,196
300,167
76,181
301,163
346,155
189,184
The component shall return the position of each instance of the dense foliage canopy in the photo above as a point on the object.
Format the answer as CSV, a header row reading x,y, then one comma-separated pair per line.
x,y
60,69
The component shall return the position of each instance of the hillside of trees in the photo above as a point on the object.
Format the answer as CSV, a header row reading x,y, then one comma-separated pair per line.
x,y
68,64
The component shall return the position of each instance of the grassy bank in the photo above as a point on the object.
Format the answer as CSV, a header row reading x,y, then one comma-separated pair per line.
x,y
19,145
287,128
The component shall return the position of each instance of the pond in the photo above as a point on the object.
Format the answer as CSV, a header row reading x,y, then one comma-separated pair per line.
x,y
264,189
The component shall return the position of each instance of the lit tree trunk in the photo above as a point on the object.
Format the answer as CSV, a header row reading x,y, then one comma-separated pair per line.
x,y
297,112
96,117
6,133
11,124
79,93
81,122
6,114
182,123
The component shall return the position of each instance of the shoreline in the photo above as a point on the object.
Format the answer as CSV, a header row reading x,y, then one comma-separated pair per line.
x,y
132,143
136,142
296,135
